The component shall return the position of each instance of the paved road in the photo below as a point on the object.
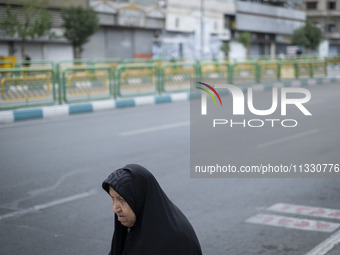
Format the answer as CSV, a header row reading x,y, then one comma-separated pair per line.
x,y
51,200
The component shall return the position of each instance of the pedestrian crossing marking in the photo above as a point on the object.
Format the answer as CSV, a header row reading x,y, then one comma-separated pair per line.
x,y
294,223
306,210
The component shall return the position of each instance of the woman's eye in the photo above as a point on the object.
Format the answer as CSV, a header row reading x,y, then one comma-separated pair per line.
x,y
120,200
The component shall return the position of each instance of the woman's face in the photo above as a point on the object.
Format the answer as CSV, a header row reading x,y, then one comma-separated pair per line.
x,y
122,209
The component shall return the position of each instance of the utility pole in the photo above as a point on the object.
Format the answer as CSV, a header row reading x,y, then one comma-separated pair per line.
x,y
327,20
202,28
327,25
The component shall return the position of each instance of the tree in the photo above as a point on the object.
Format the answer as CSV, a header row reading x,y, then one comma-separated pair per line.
x,y
308,36
225,47
245,39
32,21
79,24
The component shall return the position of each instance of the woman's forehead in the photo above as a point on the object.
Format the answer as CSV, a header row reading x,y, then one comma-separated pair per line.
x,y
113,193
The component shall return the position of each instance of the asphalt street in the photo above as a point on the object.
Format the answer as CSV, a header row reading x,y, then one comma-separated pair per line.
x,y
51,201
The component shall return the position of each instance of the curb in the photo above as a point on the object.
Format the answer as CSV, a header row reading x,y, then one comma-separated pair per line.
x,y
63,110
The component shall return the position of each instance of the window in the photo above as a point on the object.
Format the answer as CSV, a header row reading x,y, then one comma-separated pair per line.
x,y
226,23
330,28
331,5
215,26
229,22
260,36
311,5
177,22
318,25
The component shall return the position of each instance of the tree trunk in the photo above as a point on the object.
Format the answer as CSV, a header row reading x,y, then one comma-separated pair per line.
x,y
11,50
23,55
76,52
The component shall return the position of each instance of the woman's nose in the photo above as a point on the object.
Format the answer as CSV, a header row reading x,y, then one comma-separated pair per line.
x,y
116,207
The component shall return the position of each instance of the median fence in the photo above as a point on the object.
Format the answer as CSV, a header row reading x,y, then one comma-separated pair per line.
x,y
38,83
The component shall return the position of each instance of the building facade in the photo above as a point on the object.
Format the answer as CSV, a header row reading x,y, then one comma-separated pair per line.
x,y
196,29
52,47
133,29
325,14
160,29
128,30
192,29
189,29
271,23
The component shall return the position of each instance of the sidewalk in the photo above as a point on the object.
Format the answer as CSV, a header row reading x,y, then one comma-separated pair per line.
x,y
70,109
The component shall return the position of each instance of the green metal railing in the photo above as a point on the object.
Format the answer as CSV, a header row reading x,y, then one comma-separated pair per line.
x,y
6,64
112,62
23,87
177,76
220,70
268,71
136,80
45,83
35,63
86,83
244,73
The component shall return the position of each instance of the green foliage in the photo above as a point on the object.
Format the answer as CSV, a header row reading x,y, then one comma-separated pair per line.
x,y
11,23
299,37
33,20
244,39
79,25
308,36
225,47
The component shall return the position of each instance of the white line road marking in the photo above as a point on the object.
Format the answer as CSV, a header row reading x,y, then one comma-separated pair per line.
x,y
287,138
326,246
306,210
48,205
295,223
152,129
14,205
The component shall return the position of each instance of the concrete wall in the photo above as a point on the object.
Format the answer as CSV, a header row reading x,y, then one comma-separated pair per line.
x,y
37,51
237,51
255,17
4,49
97,45
267,10
253,23
119,42
58,52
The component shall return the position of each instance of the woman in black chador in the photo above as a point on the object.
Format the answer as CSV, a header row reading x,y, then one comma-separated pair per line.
x,y
146,221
